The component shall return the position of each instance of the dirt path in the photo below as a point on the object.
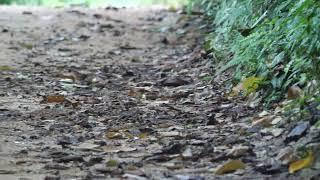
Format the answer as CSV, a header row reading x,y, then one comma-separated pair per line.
x,y
101,94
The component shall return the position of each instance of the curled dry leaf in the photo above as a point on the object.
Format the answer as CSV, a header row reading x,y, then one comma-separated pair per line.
x,y
230,166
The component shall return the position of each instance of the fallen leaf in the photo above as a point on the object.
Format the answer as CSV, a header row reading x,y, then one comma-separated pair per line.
x,y
237,90
114,135
53,99
112,163
302,163
119,134
26,45
294,92
143,136
5,68
230,166
263,122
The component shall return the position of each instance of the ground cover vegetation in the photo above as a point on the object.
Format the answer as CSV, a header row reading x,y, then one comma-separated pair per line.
x,y
272,47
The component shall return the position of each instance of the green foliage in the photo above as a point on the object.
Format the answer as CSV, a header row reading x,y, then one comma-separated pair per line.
x,y
277,40
5,1
251,84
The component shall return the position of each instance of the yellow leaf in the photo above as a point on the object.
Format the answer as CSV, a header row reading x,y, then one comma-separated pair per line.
x,y
5,68
172,9
112,163
230,166
302,163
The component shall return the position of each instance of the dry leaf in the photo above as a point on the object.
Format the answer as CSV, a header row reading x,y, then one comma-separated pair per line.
x,y
114,135
294,92
302,163
53,99
120,134
236,91
230,166
131,93
263,122
5,68
112,163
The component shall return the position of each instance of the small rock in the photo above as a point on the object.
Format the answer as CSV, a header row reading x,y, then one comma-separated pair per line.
x,y
187,153
27,12
276,120
70,158
95,160
297,132
134,177
55,166
175,81
285,155
170,134
5,171
187,177
67,140
87,146
238,151
5,30
270,169
173,149
52,178
212,120
102,168
276,131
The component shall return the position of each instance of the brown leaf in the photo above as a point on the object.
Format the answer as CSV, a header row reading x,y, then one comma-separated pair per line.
x,y
294,92
53,99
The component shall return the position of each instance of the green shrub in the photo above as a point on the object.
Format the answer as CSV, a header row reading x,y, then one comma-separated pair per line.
x,y
277,40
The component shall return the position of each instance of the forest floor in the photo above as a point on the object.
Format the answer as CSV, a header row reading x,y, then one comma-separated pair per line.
x,y
124,94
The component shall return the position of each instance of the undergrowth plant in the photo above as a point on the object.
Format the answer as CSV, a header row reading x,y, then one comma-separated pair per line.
x,y
277,40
